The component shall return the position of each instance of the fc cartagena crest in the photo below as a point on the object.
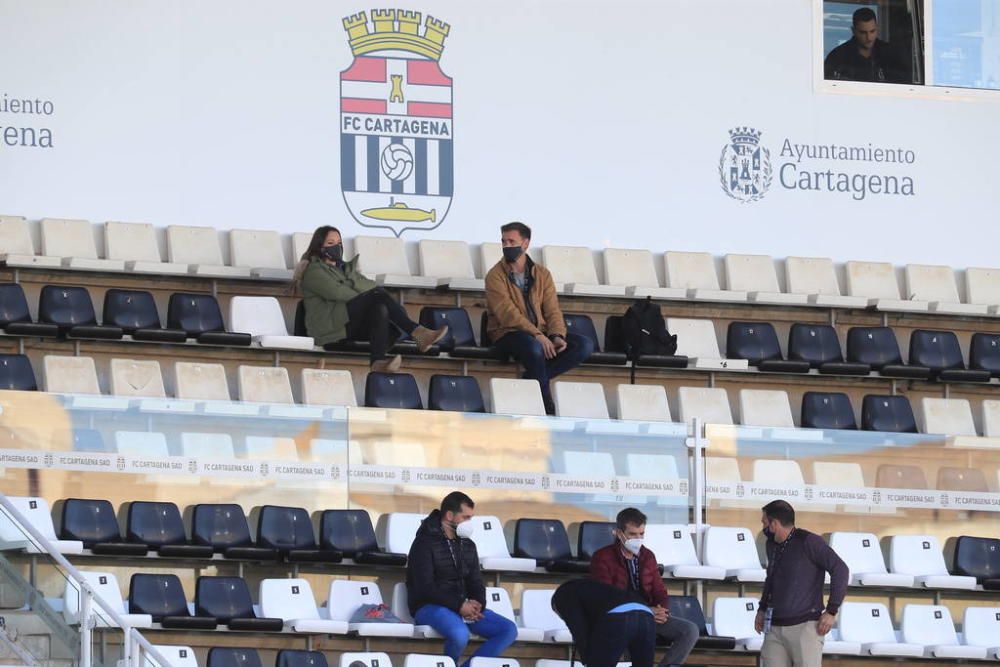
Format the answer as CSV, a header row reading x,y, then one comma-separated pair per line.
x,y
396,156
745,165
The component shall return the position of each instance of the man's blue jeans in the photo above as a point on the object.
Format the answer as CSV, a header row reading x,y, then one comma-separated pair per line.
x,y
528,351
499,632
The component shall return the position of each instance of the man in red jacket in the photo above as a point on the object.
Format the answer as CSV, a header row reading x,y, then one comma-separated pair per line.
x,y
626,564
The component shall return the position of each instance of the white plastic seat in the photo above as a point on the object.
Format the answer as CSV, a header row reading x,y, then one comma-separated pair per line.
x,y
537,614
931,626
489,254
400,531
674,550
642,402
734,550
491,546
450,263
756,275
778,471
863,556
199,249
383,259
817,279
328,387
70,375
477,661
711,405
634,270
869,624
937,285
764,407
264,384
845,475
35,511
261,317
573,271
208,445
696,340
401,609
695,272
422,660
877,282
948,416
292,601
73,240
583,400
17,248
137,377
921,557
981,627
983,287
261,252
591,464
134,243
658,467
201,382
105,587
368,659
991,418
498,601
347,596
266,447
834,645
734,617
141,443
516,397
176,656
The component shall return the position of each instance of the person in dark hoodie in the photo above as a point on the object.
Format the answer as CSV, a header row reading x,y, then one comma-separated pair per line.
x,y
445,587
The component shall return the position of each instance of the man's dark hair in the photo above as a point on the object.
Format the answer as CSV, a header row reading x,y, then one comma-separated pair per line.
x,y
630,515
864,15
453,502
519,227
780,511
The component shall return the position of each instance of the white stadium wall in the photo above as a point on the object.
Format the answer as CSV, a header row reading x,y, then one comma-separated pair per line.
x,y
599,123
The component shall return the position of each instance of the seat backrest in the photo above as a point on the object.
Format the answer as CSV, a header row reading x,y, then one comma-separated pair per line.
x,y
392,390
264,384
765,407
691,270
194,313
445,259
347,596
731,548
105,585
722,469
224,598
593,535
35,511
289,599
588,464
458,323
488,536
541,539
938,350
651,466
137,377
201,382
875,280
154,524
688,608
815,343
16,373
400,602
632,268
257,249
861,552
584,326
734,617
778,471
66,306
498,600
457,393
233,657
141,443
711,405
570,264
90,521
257,315
931,283
695,338
954,478
131,241
130,310
516,397
875,346
68,238
537,612
400,530
176,656
977,557
811,275
366,659
584,400
193,245
892,414
347,531
751,273
919,555
423,660
928,624
208,445
490,253
827,410
753,341
15,237
70,375
671,543
983,285
984,352
220,525
158,595
642,402
285,528
13,304
321,386
300,245
900,476
991,418
947,416
865,623
981,626
380,254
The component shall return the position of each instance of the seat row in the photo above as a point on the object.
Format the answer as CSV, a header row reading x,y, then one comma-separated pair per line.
x,y
809,281
184,656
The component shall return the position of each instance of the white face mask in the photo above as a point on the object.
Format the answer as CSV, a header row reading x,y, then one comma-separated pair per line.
x,y
465,529
633,545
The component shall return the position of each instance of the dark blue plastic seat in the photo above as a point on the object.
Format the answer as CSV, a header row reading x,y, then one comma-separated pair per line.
x,y
984,353
940,352
757,342
71,309
457,393
877,347
162,597
582,325
15,318
827,410
889,414
351,533
134,311
16,373
818,345
233,657
227,599
392,390
592,536
159,526
95,523
614,341
290,531
224,527
460,340
977,557
199,316
298,658
688,608
547,541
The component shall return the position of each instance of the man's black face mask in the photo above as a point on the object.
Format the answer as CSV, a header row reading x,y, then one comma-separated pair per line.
x,y
512,253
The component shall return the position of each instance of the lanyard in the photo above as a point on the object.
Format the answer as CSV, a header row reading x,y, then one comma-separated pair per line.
x,y
773,562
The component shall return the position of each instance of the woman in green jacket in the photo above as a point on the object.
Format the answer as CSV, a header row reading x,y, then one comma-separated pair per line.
x,y
342,303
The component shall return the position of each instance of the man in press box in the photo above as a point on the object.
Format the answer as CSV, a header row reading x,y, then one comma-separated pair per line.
x,y
444,585
865,57
791,613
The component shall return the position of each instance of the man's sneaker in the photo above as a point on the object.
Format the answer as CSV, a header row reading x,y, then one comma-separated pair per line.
x,y
391,365
425,337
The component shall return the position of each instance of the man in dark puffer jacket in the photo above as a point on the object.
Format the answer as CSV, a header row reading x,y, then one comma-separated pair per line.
x,y
444,585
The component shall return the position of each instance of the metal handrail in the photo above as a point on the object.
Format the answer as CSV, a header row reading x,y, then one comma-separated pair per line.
x,y
87,596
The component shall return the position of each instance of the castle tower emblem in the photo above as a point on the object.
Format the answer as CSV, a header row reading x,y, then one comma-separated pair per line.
x,y
745,166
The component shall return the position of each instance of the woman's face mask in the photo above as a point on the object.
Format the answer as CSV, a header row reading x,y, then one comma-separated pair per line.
x,y
334,253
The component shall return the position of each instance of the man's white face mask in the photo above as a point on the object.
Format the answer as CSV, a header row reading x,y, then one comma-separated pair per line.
x,y
633,545
465,529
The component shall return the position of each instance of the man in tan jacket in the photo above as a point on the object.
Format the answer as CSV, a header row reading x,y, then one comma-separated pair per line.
x,y
524,318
